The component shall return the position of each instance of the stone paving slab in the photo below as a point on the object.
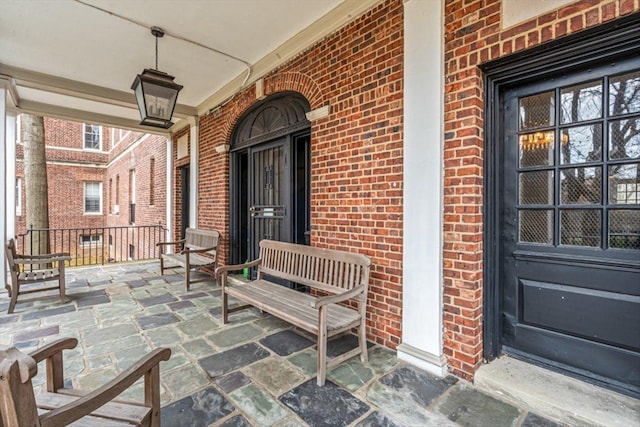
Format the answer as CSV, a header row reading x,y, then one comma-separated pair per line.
x,y
201,409
327,405
235,358
286,342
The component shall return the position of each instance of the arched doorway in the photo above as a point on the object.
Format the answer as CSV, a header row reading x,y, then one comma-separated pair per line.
x,y
269,175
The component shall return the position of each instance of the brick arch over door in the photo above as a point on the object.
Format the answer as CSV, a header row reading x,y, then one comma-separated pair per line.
x,y
276,83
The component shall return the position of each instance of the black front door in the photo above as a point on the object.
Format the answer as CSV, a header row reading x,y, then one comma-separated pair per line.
x,y
269,194
569,223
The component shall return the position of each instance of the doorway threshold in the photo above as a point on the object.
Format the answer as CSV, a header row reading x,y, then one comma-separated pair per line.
x,y
555,396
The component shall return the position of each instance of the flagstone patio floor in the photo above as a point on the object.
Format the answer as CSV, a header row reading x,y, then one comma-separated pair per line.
x,y
254,371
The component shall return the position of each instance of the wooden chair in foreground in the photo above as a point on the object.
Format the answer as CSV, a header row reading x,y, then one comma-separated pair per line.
x,y
199,249
25,276
60,406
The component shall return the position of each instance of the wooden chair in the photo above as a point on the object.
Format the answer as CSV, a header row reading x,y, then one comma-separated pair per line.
x,y
60,406
25,275
199,250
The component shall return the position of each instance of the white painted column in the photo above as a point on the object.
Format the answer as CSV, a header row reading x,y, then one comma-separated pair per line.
x,y
8,176
169,190
422,313
193,173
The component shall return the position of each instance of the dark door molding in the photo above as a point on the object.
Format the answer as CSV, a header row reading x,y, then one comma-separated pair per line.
x,y
605,43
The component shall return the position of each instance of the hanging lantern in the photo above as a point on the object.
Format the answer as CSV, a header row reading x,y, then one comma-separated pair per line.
x,y
156,93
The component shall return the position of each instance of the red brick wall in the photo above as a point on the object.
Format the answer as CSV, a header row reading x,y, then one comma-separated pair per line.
x,y
474,35
356,152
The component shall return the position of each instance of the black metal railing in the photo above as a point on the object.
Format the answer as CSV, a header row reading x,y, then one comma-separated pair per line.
x,y
97,245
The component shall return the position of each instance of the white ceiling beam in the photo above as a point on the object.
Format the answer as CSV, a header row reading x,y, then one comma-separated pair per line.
x,y
50,110
62,86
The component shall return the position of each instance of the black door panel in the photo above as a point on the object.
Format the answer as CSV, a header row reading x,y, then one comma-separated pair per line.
x,y
570,222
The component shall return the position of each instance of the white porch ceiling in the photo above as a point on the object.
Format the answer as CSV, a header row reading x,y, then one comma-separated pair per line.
x,y
76,59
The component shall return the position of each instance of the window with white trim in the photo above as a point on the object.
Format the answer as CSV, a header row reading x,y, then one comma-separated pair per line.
x,y
92,137
90,239
92,197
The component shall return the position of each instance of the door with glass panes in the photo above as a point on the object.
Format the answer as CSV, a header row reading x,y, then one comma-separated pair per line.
x,y
570,222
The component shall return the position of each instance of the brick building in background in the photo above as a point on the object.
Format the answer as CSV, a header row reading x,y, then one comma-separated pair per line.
x,y
101,182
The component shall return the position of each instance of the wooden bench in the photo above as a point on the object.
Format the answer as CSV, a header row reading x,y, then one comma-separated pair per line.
x,y
199,250
343,275
60,406
22,274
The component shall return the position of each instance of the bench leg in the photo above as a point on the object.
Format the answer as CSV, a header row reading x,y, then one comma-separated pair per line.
x,y
362,338
225,309
322,346
61,283
187,269
161,265
14,299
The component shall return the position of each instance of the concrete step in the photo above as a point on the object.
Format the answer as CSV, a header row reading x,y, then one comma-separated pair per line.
x,y
555,396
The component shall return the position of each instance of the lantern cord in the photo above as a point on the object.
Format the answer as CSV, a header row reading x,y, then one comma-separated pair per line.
x,y
175,36
156,52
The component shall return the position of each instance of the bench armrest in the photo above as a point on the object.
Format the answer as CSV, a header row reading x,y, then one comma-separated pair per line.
x,y
226,268
332,299
177,242
147,366
197,251
42,259
41,256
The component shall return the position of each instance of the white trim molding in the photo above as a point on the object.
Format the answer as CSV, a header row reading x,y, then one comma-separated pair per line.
x,y
436,364
319,113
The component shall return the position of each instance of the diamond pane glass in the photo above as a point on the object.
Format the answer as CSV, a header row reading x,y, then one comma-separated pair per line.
x,y
536,226
580,227
624,229
624,94
536,149
536,188
537,111
624,139
581,102
581,186
581,144
624,184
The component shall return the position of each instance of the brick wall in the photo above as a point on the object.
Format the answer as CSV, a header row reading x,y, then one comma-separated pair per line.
x,y
473,36
356,152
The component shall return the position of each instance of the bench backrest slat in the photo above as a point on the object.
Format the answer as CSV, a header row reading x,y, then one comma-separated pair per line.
x,y
201,239
325,269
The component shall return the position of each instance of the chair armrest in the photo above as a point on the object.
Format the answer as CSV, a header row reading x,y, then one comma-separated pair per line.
x,y
226,268
332,299
177,242
197,251
53,348
90,402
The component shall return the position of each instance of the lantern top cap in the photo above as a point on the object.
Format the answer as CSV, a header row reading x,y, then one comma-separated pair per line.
x,y
157,31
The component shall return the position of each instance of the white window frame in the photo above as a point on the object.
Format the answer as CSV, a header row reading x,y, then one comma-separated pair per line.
x,y
88,129
18,196
84,198
94,240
